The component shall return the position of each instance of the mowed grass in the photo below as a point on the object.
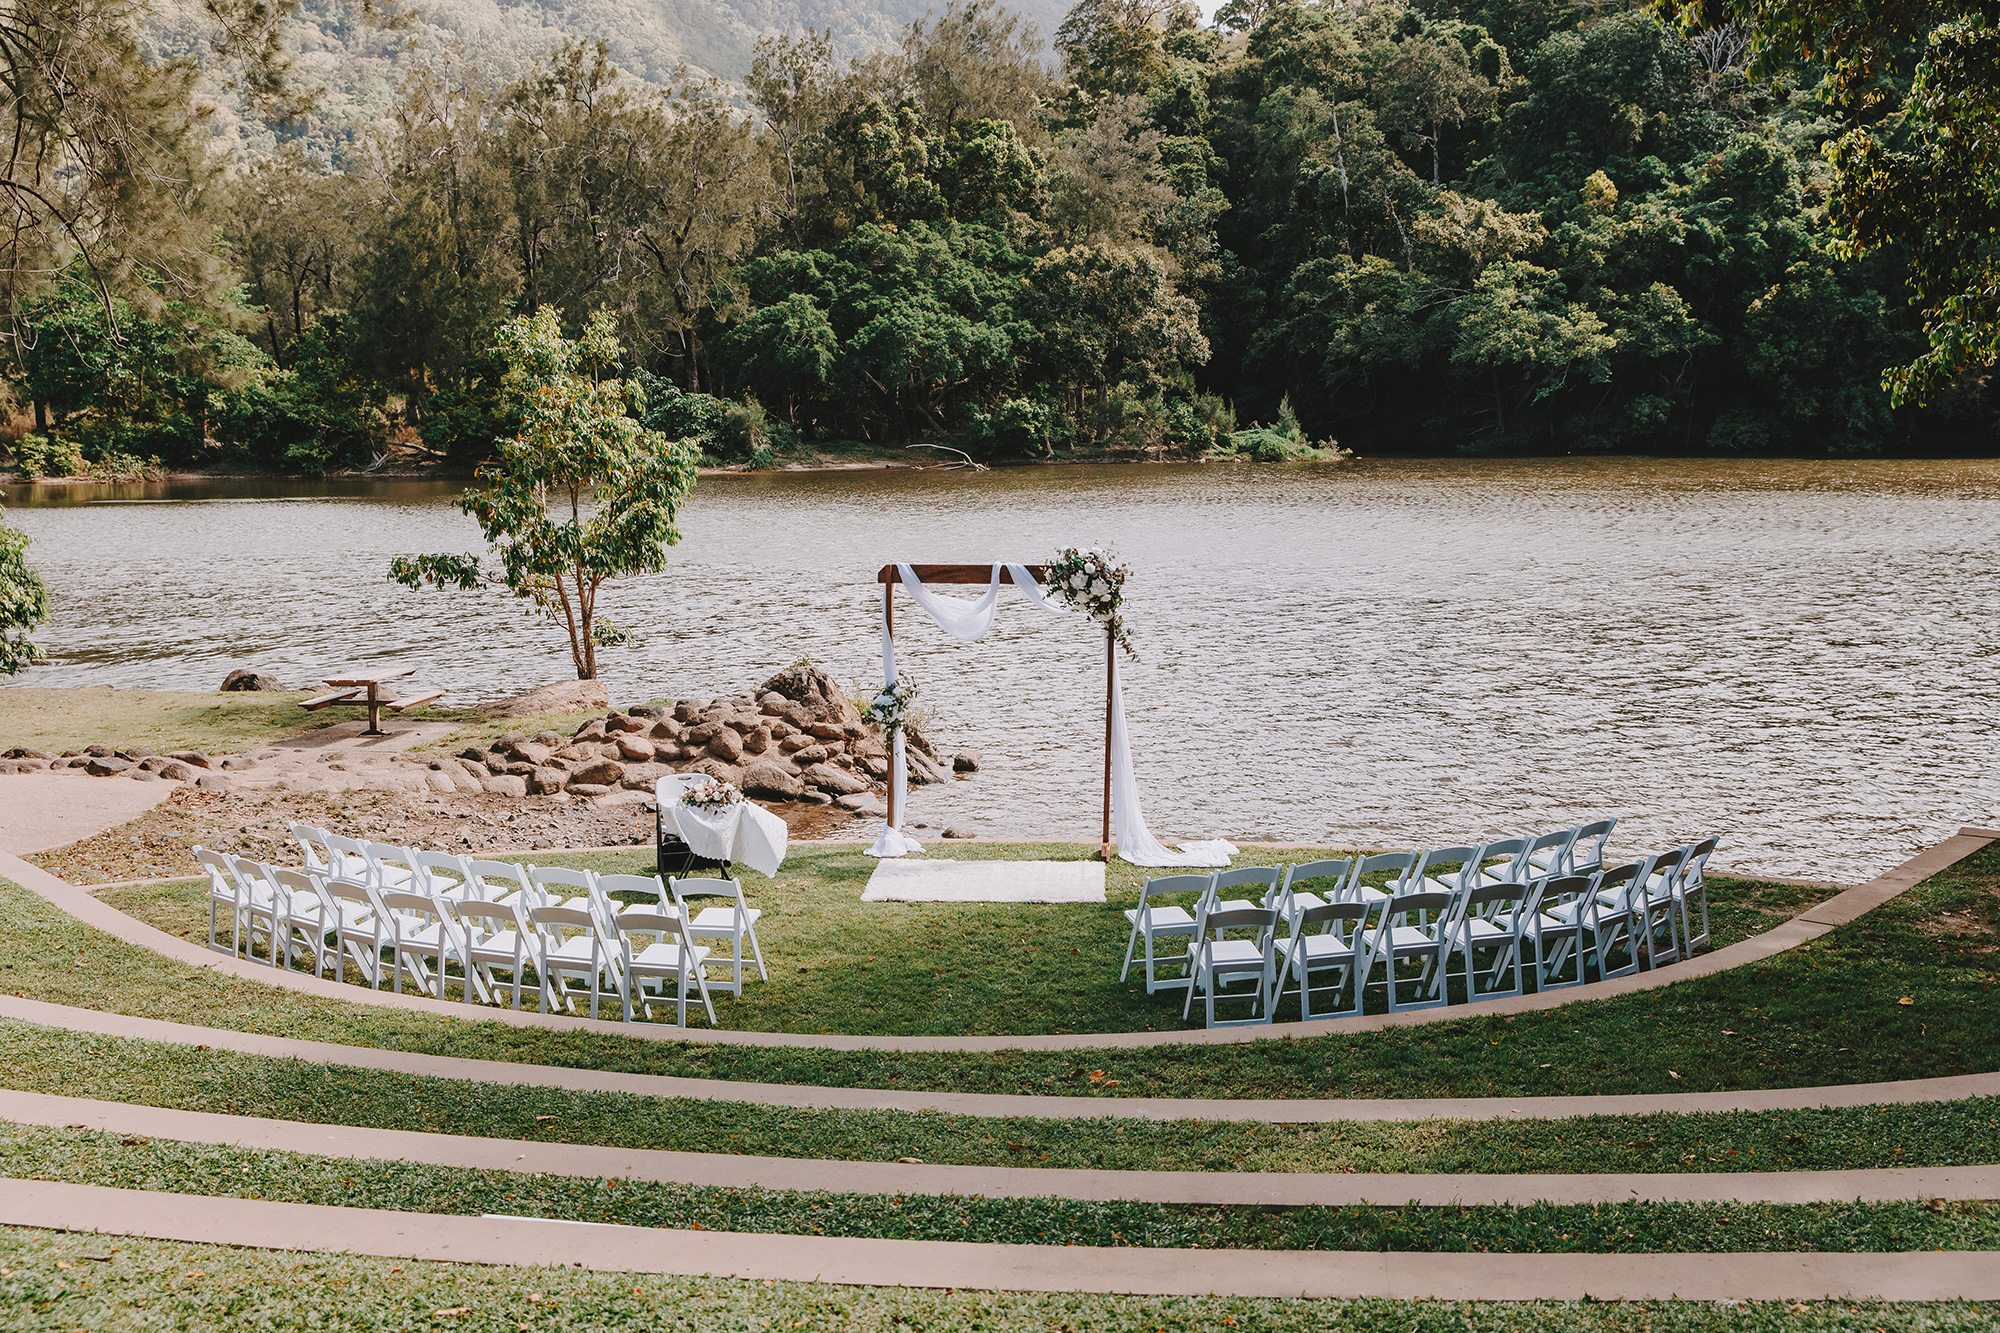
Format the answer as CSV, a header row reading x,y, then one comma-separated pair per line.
x,y
165,1166
186,1078
49,1280
1827,1013
839,965
54,720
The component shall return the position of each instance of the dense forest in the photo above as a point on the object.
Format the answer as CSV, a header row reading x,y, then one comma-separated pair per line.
x,y
1427,226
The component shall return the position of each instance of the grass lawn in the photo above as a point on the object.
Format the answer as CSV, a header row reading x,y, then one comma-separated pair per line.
x,y
841,965
1825,1014
89,1158
53,1281
69,1064
54,720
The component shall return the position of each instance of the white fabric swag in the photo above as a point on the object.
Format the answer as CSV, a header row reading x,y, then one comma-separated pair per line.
x,y
969,622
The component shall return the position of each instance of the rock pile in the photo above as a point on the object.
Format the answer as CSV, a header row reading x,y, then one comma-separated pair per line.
x,y
797,739
101,761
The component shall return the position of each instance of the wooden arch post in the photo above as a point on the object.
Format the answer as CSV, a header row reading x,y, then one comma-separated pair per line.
x,y
889,576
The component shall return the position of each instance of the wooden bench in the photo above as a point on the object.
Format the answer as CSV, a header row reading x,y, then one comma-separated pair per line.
x,y
402,704
341,697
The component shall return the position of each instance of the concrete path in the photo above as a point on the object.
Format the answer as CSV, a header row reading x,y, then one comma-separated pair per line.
x,y
1808,926
1226,1188
39,811
1263,1111
1933,1275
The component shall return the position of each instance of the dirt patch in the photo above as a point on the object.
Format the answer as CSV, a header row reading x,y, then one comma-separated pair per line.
x,y
253,823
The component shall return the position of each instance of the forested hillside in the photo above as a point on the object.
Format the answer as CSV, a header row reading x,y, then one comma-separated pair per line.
x,y
1491,226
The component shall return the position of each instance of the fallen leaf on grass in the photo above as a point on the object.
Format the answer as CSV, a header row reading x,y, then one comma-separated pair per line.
x,y
1906,1000
911,1161
451,1310
1672,1074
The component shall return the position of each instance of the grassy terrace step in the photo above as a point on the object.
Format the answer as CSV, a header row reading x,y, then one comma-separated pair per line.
x,y
49,1280
38,1059
90,1158
1825,1014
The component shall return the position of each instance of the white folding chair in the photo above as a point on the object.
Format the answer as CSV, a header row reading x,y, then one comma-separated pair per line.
x,y
262,911
440,874
347,857
1505,861
304,915
1447,870
571,946
1548,854
1494,921
225,896
318,858
1562,909
1610,924
496,936
654,946
393,867
1220,960
1586,850
360,924
1153,920
1323,938
1414,928
560,887
424,938
1691,888
731,919
1658,912
1399,869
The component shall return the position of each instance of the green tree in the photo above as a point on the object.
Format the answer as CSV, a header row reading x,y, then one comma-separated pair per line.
x,y
583,494
24,603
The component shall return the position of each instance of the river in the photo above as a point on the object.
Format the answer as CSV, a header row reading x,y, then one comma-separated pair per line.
x,y
1796,655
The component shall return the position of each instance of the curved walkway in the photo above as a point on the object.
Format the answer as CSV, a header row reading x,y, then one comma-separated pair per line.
x,y
1257,1189
995,1105
1931,1275
1801,929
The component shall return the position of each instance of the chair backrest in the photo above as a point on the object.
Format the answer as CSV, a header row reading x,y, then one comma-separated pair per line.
x,y
1668,864
493,880
1512,897
1697,860
402,900
345,856
1326,914
440,872
486,919
1549,854
649,923
545,876
1334,871
1505,860
1161,885
572,917
312,846
391,864
1264,877
1619,881
645,888
1400,867
1559,889
296,884
1399,909
1464,860
221,879
1585,858
348,890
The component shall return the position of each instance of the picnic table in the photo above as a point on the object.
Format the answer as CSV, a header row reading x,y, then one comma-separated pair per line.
x,y
346,687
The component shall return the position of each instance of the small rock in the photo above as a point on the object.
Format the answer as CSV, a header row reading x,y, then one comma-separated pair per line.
x,y
108,767
192,758
153,763
235,762
702,733
773,703
472,754
592,730
726,745
954,831
587,789
212,782
827,731
766,779
505,784
98,751
642,777
135,753
550,740
175,771
651,712
965,761
686,710
244,679
530,752
795,741
666,729
757,741
23,752
626,723
636,750
811,797
144,776
546,781
862,803
811,754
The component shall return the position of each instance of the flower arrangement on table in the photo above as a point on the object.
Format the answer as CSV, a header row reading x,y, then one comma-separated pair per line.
x,y
891,709
1093,581
711,795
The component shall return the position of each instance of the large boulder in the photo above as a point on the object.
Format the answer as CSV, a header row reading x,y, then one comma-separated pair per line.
x,y
546,781
565,696
819,693
634,749
599,773
245,679
766,779
837,780
726,745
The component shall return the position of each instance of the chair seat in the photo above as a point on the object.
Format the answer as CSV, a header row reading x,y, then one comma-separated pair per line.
x,y
1163,919
722,919
498,947
428,940
1410,939
664,960
1316,947
574,953
1479,928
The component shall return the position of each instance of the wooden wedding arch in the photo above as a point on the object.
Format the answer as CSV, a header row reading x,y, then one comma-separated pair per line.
x,y
890,575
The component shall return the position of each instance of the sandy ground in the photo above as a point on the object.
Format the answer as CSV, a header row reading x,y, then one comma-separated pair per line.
x,y
43,810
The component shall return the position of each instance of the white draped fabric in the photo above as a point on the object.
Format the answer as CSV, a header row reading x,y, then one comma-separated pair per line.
x,y
969,622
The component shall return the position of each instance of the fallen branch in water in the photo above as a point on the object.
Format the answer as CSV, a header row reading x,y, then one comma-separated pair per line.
x,y
976,467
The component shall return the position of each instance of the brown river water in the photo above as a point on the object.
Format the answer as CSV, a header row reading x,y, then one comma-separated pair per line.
x,y
1798,656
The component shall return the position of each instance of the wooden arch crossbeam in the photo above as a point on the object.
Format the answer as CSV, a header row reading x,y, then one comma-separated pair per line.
x,y
890,575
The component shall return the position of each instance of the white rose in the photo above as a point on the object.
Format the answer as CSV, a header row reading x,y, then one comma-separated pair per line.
x,y
1077,581
1098,588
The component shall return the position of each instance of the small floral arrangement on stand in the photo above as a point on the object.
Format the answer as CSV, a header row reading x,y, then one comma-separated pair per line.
x,y
1093,581
890,709
711,795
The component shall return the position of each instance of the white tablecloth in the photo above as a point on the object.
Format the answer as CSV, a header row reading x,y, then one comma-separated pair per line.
x,y
744,833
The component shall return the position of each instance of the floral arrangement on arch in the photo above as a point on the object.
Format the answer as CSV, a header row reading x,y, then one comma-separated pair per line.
x,y
711,794
890,709
1093,581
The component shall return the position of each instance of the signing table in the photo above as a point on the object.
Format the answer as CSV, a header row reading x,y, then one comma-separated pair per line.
x,y
744,832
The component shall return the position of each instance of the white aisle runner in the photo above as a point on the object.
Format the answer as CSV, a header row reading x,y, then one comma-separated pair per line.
x,y
986,882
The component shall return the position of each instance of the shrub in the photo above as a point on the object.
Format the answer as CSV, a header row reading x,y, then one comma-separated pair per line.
x,y
41,456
